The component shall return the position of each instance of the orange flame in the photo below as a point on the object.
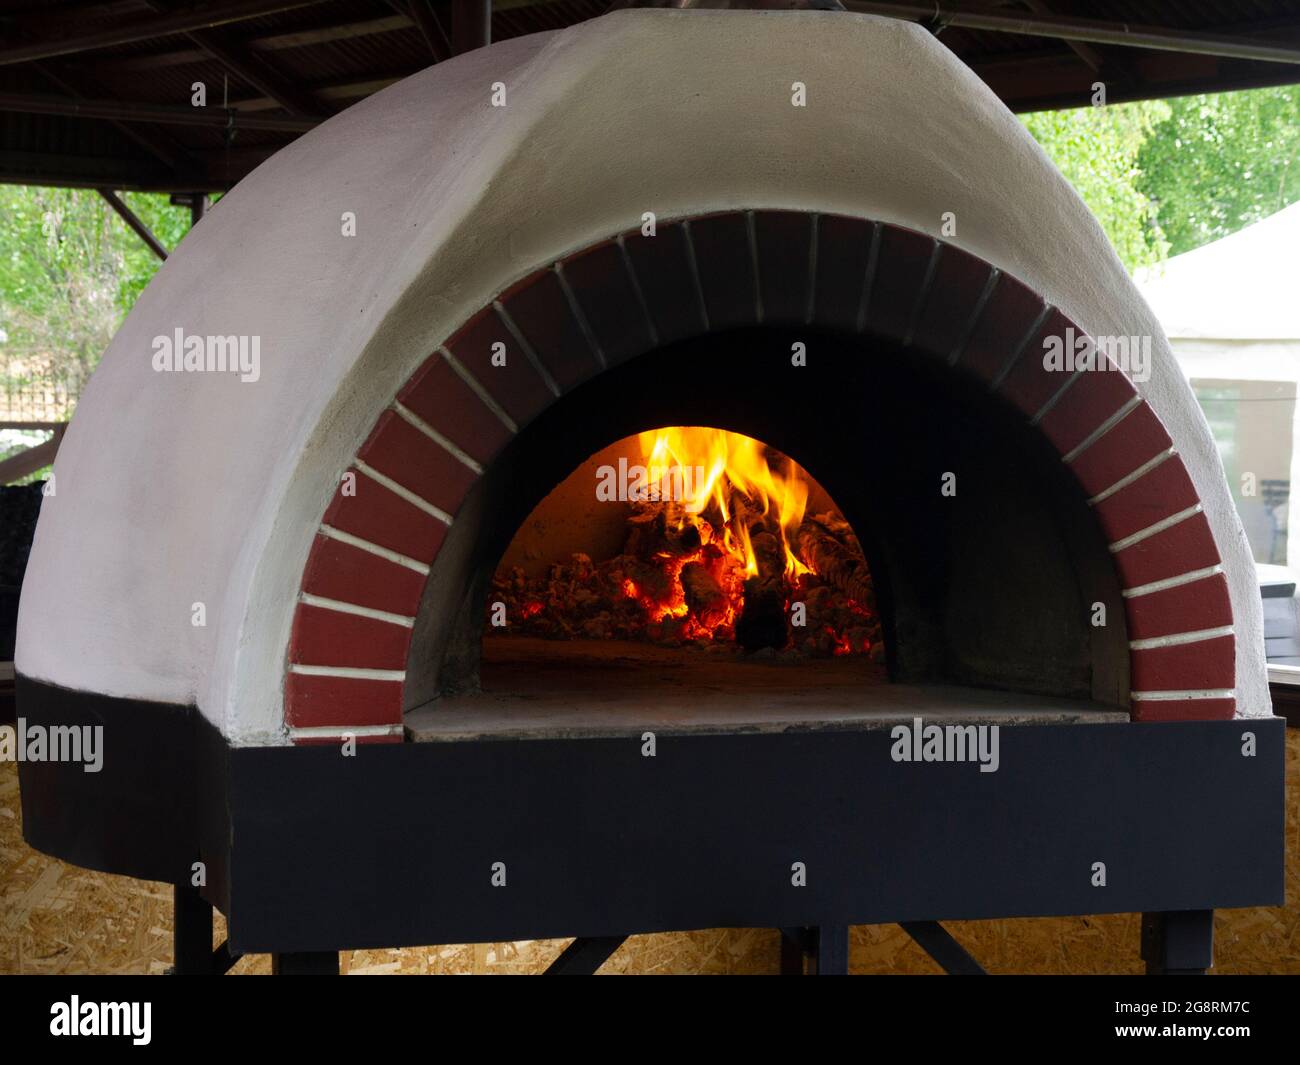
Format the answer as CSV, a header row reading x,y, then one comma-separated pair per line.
x,y
732,463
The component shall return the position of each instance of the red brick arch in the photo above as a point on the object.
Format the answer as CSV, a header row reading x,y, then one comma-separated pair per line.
x,y
631,294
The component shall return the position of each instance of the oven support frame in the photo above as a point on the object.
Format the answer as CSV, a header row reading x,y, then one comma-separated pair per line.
x,y
309,851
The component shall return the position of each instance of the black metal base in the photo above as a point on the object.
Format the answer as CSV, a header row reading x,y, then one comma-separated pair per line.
x,y
309,852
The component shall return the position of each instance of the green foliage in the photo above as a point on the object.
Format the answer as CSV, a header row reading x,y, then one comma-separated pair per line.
x,y
1218,163
1098,151
70,269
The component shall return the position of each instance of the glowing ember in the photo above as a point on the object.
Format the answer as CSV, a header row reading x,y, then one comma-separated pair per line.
x,y
720,550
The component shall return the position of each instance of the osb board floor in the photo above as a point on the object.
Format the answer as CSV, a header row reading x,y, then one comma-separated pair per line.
x,y
550,689
56,918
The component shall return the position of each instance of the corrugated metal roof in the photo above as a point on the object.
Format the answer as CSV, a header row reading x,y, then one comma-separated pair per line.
x,y
320,57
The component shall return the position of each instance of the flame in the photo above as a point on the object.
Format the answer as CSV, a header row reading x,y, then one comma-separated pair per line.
x,y
732,463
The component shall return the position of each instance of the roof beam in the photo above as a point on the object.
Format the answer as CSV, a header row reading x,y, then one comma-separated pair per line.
x,y
139,112
426,20
471,25
147,29
251,69
135,222
1096,31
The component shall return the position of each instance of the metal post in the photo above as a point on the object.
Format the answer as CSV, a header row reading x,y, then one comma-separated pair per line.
x,y
191,932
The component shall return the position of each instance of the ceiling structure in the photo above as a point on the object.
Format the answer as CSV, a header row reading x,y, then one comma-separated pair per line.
x,y
98,93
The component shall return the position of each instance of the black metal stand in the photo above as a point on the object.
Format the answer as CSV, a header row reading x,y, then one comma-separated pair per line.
x,y
585,955
191,932
821,950
1180,943
306,963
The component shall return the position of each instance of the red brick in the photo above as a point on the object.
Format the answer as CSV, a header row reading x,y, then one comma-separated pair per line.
x,y
1030,384
1184,709
1085,406
516,386
336,570
399,451
726,269
784,245
380,516
900,272
958,284
603,288
1137,438
1193,607
1206,665
323,637
1181,548
843,252
438,395
1159,493
663,270
318,701
1007,316
540,310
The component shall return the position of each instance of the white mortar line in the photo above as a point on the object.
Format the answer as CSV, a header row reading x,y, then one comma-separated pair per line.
x,y
1128,479
1180,638
323,732
1172,582
636,287
473,384
1151,530
694,266
814,227
968,330
411,418
580,316
341,607
348,672
1171,696
1130,405
526,347
1055,397
869,277
923,292
751,235
1002,374
374,549
397,489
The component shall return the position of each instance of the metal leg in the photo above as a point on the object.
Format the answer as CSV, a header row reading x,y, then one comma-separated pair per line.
x,y
584,956
1178,943
794,951
830,955
191,932
306,963
937,942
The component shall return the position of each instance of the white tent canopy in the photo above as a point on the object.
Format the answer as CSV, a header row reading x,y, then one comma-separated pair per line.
x,y
1243,287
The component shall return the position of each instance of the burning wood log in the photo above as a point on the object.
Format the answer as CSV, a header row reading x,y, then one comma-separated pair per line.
x,y
827,545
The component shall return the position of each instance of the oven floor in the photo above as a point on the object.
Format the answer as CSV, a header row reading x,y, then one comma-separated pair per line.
x,y
551,689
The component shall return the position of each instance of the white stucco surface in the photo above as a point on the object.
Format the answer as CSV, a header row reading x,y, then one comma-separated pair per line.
x,y
174,489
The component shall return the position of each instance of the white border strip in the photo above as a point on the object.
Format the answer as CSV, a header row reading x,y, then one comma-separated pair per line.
x,y
348,672
1181,638
340,607
1173,696
324,732
471,382
405,493
1151,530
1130,405
416,422
1172,582
1127,480
374,549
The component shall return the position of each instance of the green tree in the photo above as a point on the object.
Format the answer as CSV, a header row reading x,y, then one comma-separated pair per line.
x,y
1098,150
1217,163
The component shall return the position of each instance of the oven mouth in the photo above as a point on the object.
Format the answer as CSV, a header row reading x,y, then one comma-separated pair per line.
x,y
984,595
